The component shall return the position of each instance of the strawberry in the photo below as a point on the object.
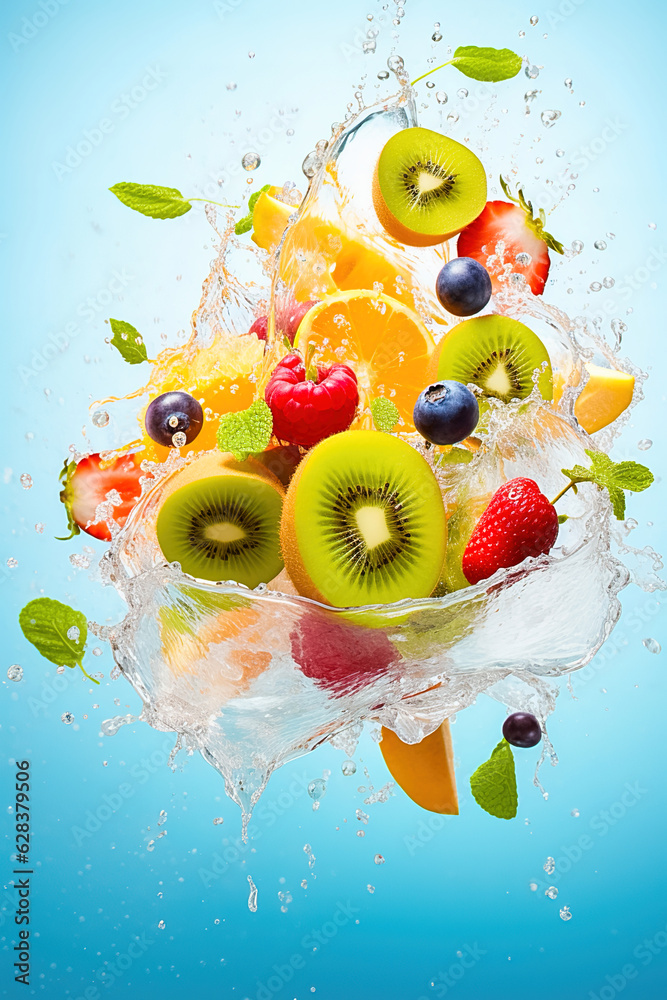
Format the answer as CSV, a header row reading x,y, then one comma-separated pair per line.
x,y
338,655
519,522
515,227
310,404
87,484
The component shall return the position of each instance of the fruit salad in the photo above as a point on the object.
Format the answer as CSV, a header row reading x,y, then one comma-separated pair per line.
x,y
355,489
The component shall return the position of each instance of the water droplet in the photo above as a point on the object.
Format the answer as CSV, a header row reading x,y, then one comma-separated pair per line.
x,y
565,913
15,672
595,286
370,888
162,818
67,718
60,670
39,527
522,34
600,245
452,116
251,55
12,563
652,225
311,164
532,72
462,92
549,866
362,816
441,97
383,75
534,19
218,820
252,896
532,886
523,258
608,282
560,152
378,859
395,64
317,788
577,246
430,84
26,480
96,651
575,813
551,892
179,440
652,645
161,925
436,36
304,883
550,117
361,833
568,83
348,767
73,633
100,418
644,444
250,161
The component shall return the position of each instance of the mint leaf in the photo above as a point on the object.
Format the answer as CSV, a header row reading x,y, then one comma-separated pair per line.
x,y
493,784
244,225
385,414
486,64
127,340
45,623
246,433
151,200
612,476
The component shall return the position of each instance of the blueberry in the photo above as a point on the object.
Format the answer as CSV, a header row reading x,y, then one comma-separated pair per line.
x,y
463,286
522,730
446,412
171,414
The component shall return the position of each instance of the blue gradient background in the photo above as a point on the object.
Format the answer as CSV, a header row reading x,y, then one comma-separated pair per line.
x,y
459,886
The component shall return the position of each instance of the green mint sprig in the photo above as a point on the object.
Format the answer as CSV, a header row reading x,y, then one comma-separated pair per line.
x,y
615,477
157,202
385,414
128,342
486,64
493,785
247,432
244,225
536,223
47,624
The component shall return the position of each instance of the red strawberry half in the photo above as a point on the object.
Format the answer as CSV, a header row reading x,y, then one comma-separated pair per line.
x,y
519,522
310,404
87,484
512,224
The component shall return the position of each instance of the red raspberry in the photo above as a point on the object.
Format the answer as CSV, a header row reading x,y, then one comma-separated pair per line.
x,y
306,411
519,522
259,327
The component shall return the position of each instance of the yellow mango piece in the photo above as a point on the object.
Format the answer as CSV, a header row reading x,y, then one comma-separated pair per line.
x,y
425,771
269,219
605,396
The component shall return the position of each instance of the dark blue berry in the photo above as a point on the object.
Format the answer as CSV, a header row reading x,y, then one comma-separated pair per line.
x,y
463,286
446,412
522,730
173,413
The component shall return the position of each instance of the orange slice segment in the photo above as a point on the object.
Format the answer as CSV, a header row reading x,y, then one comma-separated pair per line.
x,y
425,771
382,340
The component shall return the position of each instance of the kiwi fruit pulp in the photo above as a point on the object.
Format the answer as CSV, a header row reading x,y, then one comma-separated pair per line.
x,y
363,522
224,525
497,353
427,187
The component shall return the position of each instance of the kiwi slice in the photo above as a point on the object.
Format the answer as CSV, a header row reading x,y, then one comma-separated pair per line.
x,y
497,353
427,187
363,522
224,525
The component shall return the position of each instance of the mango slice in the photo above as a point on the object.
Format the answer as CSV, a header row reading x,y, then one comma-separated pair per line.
x,y
425,771
269,219
605,396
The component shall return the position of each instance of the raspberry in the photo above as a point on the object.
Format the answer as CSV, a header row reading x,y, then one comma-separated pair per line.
x,y
519,522
306,410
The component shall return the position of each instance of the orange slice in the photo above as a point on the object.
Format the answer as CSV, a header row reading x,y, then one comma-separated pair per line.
x,y
425,771
382,340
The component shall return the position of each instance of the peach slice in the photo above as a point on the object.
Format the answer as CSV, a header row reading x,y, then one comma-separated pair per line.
x,y
425,771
